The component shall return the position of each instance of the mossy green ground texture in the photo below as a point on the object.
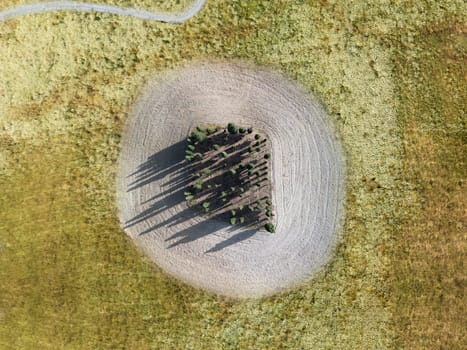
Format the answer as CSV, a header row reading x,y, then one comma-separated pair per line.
x,y
389,73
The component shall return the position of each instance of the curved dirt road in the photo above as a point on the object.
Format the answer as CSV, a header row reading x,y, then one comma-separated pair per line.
x,y
42,7
307,180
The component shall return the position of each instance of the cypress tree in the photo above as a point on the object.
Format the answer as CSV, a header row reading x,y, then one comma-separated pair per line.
x,y
232,128
270,227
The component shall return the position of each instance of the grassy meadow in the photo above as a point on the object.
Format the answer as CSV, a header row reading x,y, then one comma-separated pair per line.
x,y
391,75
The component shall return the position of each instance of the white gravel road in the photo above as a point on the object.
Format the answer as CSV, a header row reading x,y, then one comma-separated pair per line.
x,y
47,6
308,173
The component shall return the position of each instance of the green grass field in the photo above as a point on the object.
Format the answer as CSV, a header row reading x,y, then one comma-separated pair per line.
x,y
392,77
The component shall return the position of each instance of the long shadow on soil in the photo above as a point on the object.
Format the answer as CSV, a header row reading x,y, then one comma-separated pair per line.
x,y
169,164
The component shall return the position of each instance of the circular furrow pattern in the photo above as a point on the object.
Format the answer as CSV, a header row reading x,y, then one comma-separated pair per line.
x,y
307,180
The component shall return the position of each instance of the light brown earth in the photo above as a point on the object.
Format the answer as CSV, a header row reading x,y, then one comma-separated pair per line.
x,y
307,177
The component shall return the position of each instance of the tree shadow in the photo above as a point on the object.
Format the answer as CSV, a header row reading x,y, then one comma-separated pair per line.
x,y
159,165
177,175
238,237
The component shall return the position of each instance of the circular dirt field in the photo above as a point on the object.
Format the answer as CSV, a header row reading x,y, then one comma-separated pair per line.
x,y
307,175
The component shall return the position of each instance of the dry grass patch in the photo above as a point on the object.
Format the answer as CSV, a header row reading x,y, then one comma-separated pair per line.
x,y
429,280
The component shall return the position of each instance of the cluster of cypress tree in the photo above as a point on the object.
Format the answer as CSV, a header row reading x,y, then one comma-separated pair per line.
x,y
212,150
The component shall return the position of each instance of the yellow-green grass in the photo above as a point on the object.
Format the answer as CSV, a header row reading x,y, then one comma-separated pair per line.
x,y
70,279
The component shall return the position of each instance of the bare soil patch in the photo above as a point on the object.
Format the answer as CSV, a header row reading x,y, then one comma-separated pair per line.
x,y
306,173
